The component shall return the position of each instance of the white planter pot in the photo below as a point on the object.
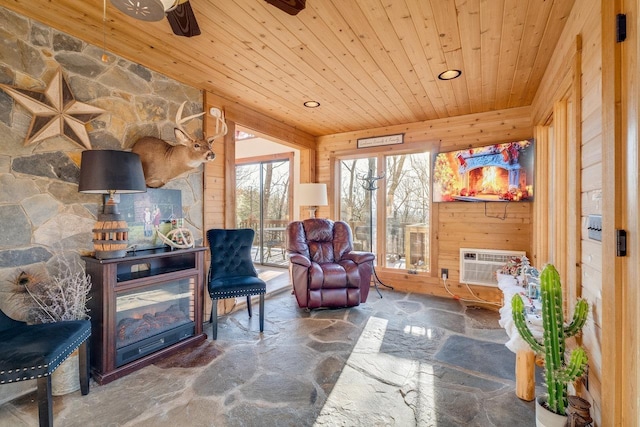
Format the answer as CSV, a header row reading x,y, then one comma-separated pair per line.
x,y
546,418
66,379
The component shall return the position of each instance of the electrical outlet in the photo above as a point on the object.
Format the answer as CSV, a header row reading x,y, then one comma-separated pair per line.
x,y
444,273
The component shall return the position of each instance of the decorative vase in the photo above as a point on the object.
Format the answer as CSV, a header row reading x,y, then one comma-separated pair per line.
x,y
546,418
66,379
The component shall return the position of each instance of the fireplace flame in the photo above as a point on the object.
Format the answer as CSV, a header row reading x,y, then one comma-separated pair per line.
x,y
489,183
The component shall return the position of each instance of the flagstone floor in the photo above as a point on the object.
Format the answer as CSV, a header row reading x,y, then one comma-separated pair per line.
x,y
401,360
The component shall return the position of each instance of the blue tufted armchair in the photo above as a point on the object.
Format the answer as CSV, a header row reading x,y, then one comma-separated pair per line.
x,y
231,273
33,352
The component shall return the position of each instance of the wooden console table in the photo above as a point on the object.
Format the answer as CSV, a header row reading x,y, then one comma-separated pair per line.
x,y
157,288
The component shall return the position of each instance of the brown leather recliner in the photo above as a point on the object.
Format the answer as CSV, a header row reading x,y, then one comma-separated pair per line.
x,y
325,270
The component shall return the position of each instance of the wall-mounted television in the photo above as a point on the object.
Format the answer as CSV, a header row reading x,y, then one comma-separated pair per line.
x,y
492,173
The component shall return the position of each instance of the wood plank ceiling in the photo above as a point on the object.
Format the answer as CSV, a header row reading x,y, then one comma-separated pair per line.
x,y
370,63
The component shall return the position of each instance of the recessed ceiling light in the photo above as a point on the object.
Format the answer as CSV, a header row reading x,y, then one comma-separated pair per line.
x,y
312,104
449,74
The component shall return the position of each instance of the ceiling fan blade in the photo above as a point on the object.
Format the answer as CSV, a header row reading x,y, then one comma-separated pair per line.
x,y
292,7
144,10
183,20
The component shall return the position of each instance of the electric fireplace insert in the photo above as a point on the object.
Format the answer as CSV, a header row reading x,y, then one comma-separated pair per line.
x,y
153,318
143,307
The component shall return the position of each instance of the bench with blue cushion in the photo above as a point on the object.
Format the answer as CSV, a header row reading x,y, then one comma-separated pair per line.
x,y
33,352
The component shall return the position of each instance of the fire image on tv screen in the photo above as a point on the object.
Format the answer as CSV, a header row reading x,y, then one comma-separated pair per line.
x,y
493,173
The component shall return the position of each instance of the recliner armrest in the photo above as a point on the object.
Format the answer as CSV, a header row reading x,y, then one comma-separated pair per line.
x,y
300,260
359,257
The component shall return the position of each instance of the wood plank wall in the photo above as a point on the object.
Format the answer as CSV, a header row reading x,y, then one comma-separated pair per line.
x,y
629,367
591,260
214,196
456,225
460,224
574,75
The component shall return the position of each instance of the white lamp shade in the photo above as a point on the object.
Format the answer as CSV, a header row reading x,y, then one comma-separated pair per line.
x,y
312,195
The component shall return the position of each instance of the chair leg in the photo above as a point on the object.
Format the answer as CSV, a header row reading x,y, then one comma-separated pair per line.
x,y
45,402
249,304
214,319
83,353
261,312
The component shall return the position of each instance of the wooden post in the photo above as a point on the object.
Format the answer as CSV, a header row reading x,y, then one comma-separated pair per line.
x,y
525,371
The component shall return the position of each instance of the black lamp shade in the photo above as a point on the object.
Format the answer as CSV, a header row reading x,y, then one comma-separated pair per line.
x,y
104,171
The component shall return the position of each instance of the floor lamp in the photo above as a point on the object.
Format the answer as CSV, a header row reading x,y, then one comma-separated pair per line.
x,y
312,195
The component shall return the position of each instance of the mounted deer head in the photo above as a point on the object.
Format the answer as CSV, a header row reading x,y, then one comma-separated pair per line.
x,y
163,161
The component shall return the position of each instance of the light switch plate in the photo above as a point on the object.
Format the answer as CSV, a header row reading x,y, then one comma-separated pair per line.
x,y
595,227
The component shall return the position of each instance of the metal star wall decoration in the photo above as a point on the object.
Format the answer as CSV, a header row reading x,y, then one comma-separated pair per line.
x,y
55,112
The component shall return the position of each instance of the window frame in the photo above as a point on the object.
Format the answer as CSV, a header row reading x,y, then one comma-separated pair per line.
x,y
380,213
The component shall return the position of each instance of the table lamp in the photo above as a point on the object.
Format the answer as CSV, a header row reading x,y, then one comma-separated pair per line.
x,y
108,172
312,195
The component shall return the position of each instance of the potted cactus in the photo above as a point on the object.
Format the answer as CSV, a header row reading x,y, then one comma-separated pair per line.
x,y
559,371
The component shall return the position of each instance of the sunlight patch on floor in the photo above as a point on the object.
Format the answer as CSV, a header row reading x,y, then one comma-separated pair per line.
x,y
267,275
376,389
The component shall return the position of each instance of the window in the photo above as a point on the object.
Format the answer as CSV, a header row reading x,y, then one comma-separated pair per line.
x,y
403,187
262,203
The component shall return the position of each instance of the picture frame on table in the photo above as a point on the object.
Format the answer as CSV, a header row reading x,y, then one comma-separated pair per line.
x,y
145,213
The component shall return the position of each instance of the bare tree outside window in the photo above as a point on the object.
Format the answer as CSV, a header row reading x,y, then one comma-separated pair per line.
x,y
408,209
262,203
247,195
354,200
407,198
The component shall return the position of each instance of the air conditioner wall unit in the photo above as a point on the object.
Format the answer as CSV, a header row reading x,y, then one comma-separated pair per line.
x,y
479,266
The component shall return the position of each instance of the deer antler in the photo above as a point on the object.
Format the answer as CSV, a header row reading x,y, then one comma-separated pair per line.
x,y
180,120
221,125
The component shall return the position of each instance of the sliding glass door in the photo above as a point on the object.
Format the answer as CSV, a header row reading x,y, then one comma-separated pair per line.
x,y
262,203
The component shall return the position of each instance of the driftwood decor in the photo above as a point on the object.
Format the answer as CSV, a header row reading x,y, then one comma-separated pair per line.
x,y
177,238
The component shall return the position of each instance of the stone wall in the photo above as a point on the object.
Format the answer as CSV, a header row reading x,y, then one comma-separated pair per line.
x,y
41,212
